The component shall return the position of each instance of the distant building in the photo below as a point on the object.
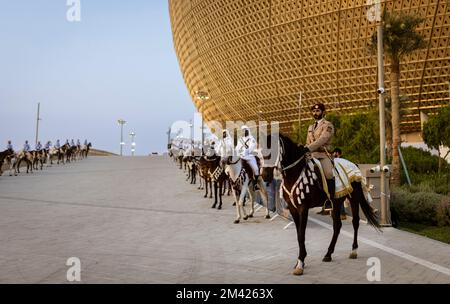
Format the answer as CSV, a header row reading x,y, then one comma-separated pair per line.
x,y
258,55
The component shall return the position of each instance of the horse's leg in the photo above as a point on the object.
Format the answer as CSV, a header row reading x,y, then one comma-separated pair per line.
x,y
252,198
264,196
238,210
220,194
355,221
337,225
215,195
210,188
245,189
206,188
302,220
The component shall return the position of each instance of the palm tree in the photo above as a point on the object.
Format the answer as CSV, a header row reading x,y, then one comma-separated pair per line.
x,y
400,39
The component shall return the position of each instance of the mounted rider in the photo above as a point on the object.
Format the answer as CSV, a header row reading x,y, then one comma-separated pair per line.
x,y
318,142
246,150
26,147
72,143
9,146
38,147
48,145
225,147
57,145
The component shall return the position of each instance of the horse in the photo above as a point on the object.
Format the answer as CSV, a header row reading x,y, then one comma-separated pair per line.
x,y
207,165
304,187
38,159
240,175
4,156
85,150
51,154
28,158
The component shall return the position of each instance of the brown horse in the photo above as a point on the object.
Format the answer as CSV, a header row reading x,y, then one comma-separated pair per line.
x,y
303,188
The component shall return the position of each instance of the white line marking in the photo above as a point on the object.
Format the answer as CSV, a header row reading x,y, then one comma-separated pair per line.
x,y
398,253
274,217
287,226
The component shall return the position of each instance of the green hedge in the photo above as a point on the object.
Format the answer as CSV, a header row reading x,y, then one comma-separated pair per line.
x,y
421,207
421,162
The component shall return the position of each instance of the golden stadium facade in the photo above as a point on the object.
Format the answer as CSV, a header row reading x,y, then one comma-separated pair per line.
x,y
254,57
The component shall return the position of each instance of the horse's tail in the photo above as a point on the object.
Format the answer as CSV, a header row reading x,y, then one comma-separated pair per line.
x,y
371,216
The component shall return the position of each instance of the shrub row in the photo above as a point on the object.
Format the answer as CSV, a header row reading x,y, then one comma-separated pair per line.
x,y
421,207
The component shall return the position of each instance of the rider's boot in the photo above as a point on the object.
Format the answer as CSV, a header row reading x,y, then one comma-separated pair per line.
x,y
328,206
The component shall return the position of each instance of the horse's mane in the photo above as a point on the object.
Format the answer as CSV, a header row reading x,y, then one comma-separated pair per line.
x,y
289,144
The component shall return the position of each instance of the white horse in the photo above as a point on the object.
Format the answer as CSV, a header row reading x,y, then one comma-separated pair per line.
x,y
240,185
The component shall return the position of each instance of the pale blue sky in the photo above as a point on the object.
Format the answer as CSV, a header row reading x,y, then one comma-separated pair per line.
x,y
118,62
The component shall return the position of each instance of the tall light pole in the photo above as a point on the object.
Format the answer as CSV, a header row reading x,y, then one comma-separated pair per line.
x,y
133,143
168,137
37,123
121,123
191,125
202,96
374,14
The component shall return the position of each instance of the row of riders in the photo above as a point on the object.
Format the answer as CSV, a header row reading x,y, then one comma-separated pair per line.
x,y
47,154
310,176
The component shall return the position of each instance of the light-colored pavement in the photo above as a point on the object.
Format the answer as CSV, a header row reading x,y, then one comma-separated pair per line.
x,y
136,220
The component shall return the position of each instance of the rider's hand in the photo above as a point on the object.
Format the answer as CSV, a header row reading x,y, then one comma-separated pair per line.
x,y
304,150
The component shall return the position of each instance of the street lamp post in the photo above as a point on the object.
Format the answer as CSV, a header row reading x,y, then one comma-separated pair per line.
x,y
37,122
133,143
121,123
374,14
384,202
202,96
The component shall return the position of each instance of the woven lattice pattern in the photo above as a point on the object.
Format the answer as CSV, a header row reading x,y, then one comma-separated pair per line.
x,y
258,55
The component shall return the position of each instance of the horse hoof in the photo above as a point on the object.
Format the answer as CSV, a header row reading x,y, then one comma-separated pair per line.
x,y
236,221
251,215
246,217
326,259
267,217
353,256
213,207
234,204
219,208
298,271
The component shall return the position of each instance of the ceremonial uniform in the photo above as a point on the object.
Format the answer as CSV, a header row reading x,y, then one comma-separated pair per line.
x,y
246,148
26,147
38,146
57,145
319,138
9,146
318,142
225,146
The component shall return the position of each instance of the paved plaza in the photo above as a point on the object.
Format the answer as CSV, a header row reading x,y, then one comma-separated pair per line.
x,y
136,220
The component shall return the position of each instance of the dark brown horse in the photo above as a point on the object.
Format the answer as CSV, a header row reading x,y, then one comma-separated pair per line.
x,y
4,155
303,188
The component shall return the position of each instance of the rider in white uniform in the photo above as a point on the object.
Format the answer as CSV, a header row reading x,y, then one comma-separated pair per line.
x,y
225,146
246,150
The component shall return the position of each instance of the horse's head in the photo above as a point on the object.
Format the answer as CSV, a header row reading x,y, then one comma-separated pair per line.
x,y
282,157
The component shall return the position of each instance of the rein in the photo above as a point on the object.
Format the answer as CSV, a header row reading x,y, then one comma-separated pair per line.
x,y
231,163
293,164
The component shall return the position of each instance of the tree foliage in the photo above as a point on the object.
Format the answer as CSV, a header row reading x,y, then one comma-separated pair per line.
x,y
356,135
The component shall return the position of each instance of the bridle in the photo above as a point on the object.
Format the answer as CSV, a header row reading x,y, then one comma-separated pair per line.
x,y
279,158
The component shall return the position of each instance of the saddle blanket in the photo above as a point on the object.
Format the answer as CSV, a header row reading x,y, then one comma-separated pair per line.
x,y
348,173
